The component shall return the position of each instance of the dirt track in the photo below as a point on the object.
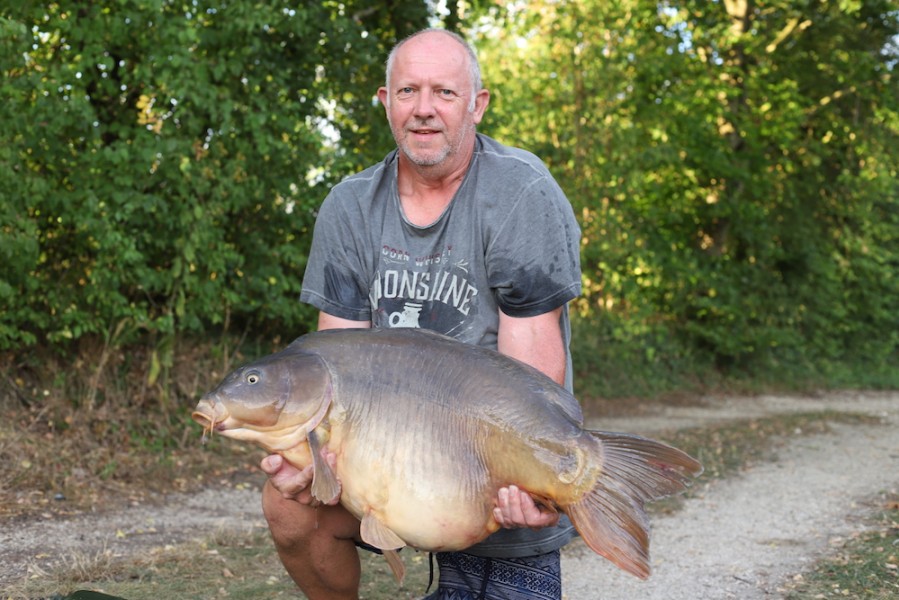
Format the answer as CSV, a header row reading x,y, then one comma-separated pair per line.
x,y
746,537
739,538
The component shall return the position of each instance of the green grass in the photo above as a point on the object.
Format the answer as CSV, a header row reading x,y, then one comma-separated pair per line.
x,y
865,567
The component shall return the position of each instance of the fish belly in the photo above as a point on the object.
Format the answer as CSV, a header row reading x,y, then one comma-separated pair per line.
x,y
432,499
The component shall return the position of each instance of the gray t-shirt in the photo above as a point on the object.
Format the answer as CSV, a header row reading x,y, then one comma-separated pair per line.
x,y
507,241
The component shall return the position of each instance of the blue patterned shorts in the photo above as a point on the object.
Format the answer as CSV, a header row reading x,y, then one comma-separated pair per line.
x,y
467,577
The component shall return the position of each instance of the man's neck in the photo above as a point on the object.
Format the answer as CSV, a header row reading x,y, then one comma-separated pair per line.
x,y
426,191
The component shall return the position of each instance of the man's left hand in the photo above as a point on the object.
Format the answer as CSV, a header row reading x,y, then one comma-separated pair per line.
x,y
515,508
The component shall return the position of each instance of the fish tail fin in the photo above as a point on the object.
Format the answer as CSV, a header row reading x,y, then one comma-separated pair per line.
x,y
611,517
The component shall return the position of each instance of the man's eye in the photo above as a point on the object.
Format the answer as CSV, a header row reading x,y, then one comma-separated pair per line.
x,y
446,93
406,91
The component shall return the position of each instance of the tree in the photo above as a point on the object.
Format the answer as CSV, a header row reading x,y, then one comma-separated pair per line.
x,y
161,161
733,164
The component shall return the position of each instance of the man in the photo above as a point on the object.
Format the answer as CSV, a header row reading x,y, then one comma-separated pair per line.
x,y
456,233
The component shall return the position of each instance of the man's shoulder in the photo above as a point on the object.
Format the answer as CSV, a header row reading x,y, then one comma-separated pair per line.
x,y
372,175
361,190
509,157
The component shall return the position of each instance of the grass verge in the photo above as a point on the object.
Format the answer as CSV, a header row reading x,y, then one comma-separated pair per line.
x,y
227,565
863,567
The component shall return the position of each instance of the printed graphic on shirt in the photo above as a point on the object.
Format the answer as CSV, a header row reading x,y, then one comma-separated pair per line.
x,y
434,291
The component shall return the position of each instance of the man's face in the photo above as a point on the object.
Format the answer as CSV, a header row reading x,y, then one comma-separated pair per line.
x,y
428,101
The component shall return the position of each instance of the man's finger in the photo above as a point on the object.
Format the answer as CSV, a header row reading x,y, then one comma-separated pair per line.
x,y
271,464
514,506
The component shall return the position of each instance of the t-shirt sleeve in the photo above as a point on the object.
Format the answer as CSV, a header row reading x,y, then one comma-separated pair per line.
x,y
534,258
334,281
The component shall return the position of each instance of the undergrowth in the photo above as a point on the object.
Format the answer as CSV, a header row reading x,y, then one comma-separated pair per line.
x,y
653,364
86,434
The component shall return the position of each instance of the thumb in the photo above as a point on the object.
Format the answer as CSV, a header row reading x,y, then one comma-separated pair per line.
x,y
271,463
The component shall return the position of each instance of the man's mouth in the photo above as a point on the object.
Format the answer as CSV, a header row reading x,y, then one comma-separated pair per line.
x,y
422,128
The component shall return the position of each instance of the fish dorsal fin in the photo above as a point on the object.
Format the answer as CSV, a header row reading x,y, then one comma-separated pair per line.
x,y
396,565
377,534
325,486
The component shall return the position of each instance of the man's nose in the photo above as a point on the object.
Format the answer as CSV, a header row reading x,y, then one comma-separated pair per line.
x,y
424,104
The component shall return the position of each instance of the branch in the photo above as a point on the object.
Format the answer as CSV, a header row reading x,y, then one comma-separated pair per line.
x,y
786,31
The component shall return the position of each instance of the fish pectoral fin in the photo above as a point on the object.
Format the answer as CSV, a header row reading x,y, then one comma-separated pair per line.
x,y
325,485
396,565
377,534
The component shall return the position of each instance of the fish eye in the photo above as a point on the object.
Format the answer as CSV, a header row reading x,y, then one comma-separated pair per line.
x,y
253,378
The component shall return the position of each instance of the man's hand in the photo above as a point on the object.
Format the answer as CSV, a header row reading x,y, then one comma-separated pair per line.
x,y
293,483
515,508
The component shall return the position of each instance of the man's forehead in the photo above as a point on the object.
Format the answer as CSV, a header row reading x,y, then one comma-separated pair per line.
x,y
432,50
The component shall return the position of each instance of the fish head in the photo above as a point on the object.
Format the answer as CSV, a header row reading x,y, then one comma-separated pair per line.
x,y
273,401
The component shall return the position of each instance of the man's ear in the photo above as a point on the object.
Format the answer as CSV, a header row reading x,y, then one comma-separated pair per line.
x,y
481,100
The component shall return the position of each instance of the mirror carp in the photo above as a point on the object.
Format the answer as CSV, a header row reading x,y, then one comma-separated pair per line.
x,y
426,429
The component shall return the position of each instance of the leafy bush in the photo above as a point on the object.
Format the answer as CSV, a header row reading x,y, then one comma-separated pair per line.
x,y
161,162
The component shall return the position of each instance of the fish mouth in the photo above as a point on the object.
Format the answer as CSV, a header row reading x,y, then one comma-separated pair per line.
x,y
207,421
211,416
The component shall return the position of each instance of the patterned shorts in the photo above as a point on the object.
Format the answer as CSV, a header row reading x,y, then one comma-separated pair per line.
x,y
467,577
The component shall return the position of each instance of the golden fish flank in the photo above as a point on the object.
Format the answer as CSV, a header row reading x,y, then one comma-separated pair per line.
x,y
382,400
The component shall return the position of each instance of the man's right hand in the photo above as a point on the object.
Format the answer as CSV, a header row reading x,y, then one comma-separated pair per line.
x,y
293,483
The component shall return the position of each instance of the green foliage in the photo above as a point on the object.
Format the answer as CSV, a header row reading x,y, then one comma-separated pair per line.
x,y
161,161
734,166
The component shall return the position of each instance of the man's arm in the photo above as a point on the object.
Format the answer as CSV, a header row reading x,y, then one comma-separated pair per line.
x,y
538,342
326,321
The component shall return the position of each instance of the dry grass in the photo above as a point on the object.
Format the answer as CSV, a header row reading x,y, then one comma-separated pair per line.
x,y
108,429
224,565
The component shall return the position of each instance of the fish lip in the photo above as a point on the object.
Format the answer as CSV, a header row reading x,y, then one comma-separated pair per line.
x,y
208,421
210,414
202,418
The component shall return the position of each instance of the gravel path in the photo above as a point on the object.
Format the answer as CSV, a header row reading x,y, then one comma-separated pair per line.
x,y
739,538
746,537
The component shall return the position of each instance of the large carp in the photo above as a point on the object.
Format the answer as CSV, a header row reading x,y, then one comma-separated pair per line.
x,y
426,429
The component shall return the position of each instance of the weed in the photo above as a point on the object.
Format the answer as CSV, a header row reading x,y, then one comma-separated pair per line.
x,y
865,567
